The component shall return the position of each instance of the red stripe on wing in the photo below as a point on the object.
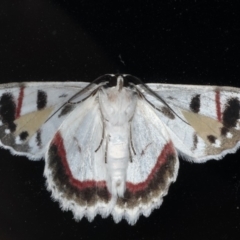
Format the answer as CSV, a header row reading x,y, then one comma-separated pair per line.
x,y
58,141
19,102
168,150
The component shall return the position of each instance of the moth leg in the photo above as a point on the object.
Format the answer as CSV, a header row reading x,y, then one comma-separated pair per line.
x,y
103,133
144,150
130,155
106,150
131,143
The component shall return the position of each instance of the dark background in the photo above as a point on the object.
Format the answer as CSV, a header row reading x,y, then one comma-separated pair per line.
x,y
185,42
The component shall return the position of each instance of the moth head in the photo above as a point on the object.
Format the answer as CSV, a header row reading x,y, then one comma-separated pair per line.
x,y
118,102
120,83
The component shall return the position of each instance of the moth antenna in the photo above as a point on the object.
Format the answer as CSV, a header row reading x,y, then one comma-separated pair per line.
x,y
91,94
83,90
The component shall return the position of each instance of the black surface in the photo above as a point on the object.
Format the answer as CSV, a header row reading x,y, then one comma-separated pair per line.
x,y
191,42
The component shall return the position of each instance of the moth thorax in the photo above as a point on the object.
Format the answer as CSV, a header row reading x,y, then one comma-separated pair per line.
x,y
116,182
117,107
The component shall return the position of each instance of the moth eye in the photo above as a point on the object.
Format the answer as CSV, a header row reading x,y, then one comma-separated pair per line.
x,y
111,81
131,87
107,85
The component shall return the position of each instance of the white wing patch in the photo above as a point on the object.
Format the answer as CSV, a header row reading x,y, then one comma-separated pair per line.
x,y
113,150
206,125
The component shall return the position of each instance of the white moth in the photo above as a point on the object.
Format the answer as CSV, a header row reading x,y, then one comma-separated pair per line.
x,y
114,150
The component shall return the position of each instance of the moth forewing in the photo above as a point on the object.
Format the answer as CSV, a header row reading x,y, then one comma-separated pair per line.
x,y
24,111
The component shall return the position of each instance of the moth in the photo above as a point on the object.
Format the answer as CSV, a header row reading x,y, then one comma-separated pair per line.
x,y
111,148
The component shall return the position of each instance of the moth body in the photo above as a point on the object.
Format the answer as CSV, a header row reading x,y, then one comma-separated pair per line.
x,y
117,105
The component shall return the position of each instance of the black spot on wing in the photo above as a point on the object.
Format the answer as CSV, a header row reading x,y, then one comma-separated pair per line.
x,y
39,138
195,103
211,138
23,135
66,110
231,113
167,112
8,110
63,95
41,99
195,141
10,140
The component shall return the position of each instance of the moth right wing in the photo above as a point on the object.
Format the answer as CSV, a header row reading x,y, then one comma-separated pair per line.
x,y
203,121
152,168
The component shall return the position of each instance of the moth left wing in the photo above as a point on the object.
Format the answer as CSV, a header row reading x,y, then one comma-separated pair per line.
x,y
203,121
75,171
30,114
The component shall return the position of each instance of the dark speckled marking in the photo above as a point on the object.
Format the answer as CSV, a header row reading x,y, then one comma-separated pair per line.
x,y
66,110
8,110
10,140
167,112
63,95
224,131
195,140
23,135
195,104
212,139
39,138
41,99
231,113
